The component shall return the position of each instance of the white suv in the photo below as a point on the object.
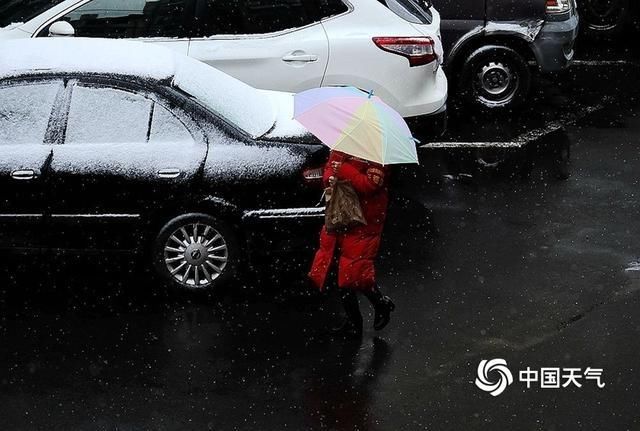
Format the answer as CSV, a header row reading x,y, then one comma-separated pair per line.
x,y
392,47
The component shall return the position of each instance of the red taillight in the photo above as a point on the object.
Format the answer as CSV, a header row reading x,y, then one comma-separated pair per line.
x,y
418,50
557,6
313,174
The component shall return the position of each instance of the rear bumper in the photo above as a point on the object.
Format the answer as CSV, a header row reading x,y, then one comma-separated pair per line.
x,y
429,127
554,46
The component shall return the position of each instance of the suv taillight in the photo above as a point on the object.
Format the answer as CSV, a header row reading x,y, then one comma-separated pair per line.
x,y
558,6
313,174
418,50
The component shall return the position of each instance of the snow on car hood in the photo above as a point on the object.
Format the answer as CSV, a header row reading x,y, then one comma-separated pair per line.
x,y
286,128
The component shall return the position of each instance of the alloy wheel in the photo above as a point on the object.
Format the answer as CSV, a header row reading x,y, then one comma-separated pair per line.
x,y
196,254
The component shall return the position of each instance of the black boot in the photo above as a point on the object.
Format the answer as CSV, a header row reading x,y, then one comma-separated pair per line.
x,y
352,326
383,306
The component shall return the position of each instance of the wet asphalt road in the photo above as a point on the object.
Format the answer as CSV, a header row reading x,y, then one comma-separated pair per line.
x,y
538,271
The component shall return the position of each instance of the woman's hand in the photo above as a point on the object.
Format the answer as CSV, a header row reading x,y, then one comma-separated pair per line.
x,y
332,181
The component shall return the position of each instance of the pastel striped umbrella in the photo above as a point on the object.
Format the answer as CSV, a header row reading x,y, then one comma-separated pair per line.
x,y
356,123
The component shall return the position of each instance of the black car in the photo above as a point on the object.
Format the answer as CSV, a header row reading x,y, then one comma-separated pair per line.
x,y
108,145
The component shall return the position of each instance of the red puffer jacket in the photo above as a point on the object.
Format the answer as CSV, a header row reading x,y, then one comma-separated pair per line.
x,y
359,246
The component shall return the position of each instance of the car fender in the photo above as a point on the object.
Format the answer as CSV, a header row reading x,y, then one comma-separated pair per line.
x,y
524,32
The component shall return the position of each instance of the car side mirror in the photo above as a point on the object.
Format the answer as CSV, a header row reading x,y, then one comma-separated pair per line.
x,y
61,29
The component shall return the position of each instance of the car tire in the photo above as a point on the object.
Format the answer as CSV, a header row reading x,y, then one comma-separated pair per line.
x,y
494,77
604,18
197,253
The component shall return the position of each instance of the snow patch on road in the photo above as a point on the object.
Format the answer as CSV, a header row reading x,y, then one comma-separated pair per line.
x,y
633,266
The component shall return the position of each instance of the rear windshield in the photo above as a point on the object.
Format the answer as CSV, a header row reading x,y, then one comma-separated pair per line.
x,y
414,11
20,11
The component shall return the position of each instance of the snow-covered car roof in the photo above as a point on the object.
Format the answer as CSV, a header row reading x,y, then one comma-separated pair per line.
x,y
255,111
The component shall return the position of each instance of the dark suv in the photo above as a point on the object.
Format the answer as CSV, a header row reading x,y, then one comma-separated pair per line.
x,y
494,46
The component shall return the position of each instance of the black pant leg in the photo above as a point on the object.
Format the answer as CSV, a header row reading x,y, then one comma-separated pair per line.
x,y
375,296
351,306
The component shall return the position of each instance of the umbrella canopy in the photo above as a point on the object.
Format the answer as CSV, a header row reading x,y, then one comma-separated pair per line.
x,y
356,123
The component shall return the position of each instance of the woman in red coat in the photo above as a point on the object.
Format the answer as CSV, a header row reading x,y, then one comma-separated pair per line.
x,y
358,247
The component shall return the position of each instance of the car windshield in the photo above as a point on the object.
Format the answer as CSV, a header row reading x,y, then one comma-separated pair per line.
x,y
414,11
249,109
20,11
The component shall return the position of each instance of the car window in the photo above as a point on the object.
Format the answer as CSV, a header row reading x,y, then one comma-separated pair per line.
x,y
166,127
100,115
131,19
25,111
414,11
20,11
231,17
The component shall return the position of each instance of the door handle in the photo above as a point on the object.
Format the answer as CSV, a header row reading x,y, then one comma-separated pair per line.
x,y
24,174
300,58
169,173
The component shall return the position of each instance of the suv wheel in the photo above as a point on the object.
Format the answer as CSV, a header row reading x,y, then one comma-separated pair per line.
x,y
495,77
196,252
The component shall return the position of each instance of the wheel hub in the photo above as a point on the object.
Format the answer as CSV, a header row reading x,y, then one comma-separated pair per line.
x,y
495,78
196,254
